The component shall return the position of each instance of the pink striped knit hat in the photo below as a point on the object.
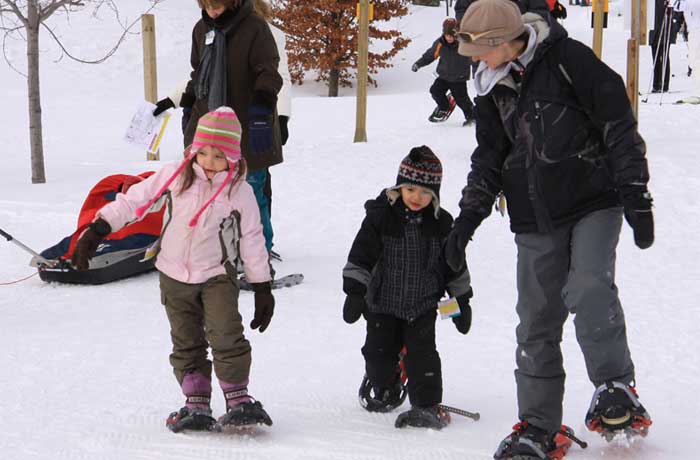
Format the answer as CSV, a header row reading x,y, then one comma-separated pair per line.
x,y
219,128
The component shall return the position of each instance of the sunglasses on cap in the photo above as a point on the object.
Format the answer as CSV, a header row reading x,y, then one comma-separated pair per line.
x,y
478,37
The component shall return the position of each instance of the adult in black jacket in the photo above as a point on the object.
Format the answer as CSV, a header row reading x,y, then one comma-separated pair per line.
x,y
557,136
395,276
453,71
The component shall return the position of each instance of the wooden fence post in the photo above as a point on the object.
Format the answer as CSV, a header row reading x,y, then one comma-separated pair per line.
x,y
150,74
598,16
362,56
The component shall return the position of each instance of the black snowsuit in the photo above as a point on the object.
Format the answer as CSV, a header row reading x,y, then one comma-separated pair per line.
x,y
453,71
396,262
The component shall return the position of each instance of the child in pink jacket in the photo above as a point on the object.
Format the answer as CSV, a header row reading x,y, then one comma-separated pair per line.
x,y
212,225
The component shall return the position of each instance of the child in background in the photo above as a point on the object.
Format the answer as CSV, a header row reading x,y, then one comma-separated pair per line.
x,y
395,276
213,224
453,71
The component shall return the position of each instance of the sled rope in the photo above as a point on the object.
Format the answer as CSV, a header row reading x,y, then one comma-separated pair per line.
x,y
18,281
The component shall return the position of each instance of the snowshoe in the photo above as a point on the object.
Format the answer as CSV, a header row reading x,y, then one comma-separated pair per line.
x,y
243,415
615,409
439,115
528,442
375,399
190,419
434,417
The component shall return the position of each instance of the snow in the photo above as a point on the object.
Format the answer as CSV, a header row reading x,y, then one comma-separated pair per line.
x,y
85,372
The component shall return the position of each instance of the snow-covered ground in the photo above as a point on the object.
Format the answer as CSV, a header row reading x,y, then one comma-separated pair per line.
x,y
85,371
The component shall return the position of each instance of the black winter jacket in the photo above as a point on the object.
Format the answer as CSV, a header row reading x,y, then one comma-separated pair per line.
x,y
452,66
562,146
396,260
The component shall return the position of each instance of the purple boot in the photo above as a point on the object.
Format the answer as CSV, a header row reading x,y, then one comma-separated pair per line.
x,y
196,414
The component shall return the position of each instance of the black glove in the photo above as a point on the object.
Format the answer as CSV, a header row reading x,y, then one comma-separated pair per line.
x,y
456,244
415,67
637,202
163,105
353,308
88,243
264,306
464,321
259,129
558,12
284,131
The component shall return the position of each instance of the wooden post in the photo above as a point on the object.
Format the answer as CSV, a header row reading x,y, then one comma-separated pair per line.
x,y
633,74
643,23
362,56
633,56
150,75
598,28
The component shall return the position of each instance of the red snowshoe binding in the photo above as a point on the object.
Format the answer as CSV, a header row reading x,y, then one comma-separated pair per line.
x,y
528,442
615,409
439,115
375,399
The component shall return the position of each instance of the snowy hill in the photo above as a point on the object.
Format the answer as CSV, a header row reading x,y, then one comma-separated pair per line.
x,y
85,372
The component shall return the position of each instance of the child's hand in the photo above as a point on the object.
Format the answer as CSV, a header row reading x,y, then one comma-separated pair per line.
x,y
353,308
415,67
463,322
88,243
264,306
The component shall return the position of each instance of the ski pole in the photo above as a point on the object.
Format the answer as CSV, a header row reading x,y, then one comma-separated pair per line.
x,y
41,259
464,413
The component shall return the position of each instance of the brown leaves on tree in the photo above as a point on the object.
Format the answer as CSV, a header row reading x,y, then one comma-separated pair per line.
x,y
322,36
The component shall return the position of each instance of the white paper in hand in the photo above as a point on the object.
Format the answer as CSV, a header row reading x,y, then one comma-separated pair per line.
x,y
145,130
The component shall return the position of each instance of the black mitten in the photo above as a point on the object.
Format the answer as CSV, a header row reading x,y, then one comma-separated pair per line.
x,y
264,306
163,105
88,243
463,322
558,12
637,203
284,130
353,308
456,243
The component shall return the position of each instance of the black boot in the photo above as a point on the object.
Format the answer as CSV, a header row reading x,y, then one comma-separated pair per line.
x,y
433,417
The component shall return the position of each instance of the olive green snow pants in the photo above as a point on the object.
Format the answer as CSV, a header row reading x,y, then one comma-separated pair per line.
x,y
201,316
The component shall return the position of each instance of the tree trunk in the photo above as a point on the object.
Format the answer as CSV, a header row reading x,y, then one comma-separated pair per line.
x,y
35,130
333,82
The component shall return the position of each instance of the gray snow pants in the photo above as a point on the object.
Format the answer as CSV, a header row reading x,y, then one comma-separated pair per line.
x,y
570,270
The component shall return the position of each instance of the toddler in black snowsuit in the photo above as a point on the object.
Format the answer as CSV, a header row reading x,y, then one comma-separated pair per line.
x,y
395,276
453,71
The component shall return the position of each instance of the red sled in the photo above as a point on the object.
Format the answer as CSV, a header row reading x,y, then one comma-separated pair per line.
x,y
122,254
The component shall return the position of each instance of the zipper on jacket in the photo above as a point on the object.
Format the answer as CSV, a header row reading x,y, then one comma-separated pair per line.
x,y
542,217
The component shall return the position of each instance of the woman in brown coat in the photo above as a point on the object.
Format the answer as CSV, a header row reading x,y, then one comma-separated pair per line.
x,y
234,60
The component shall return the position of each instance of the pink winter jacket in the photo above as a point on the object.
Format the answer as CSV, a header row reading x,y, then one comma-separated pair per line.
x,y
229,229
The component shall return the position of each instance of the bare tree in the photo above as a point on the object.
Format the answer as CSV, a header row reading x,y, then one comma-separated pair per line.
x,y
25,18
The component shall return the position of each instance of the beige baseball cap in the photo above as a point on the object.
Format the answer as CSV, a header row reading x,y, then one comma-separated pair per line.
x,y
487,24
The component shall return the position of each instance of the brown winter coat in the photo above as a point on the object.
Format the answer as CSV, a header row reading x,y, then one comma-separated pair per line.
x,y
252,61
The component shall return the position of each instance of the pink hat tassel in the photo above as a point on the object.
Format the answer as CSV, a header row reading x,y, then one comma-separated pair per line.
x,y
141,210
194,220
